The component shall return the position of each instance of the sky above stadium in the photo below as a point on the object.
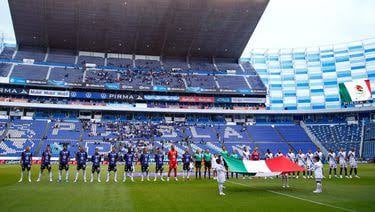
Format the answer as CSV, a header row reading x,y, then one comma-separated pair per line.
x,y
288,23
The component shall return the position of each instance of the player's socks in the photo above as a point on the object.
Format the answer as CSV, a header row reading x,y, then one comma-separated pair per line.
x,y
75,180
107,180
175,178
59,178
21,178
124,177
39,177
67,176
29,176
167,178
84,175
50,176
92,178
115,177
99,181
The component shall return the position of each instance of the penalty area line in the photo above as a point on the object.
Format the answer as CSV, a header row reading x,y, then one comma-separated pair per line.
x,y
295,197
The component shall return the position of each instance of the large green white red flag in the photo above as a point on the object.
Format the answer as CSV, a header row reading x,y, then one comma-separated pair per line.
x,y
270,167
354,91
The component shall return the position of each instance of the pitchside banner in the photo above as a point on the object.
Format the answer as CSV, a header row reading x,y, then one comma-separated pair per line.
x,y
248,100
48,93
111,96
17,80
162,98
14,91
223,100
201,99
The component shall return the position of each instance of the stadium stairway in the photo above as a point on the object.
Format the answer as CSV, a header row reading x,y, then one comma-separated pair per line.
x,y
194,147
283,139
5,131
41,143
313,138
213,147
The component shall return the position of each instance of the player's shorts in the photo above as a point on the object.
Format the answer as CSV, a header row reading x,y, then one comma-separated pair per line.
x,y
45,166
95,169
63,166
172,165
343,164
186,167
158,168
26,167
144,168
198,164
128,168
112,167
332,165
81,166
353,164
208,164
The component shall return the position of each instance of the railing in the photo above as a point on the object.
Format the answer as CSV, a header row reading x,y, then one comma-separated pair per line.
x,y
362,138
313,138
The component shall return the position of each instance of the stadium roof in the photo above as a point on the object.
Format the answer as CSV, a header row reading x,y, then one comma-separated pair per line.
x,y
199,28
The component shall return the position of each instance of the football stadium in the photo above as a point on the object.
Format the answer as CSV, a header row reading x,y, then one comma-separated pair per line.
x,y
187,105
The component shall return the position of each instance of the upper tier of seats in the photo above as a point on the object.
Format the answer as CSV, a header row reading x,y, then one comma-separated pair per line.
x,y
64,68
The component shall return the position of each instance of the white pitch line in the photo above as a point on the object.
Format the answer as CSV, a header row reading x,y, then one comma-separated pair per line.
x,y
299,198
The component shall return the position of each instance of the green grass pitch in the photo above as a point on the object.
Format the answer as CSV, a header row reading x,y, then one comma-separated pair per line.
x,y
195,195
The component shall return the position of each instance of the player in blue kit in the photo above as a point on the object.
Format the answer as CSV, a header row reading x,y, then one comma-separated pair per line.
x,y
64,158
96,160
186,160
81,159
159,161
112,162
129,159
25,161
145,160
46,163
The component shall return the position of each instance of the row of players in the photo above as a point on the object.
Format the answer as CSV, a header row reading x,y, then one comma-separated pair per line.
x,y
206,158
113,157
306,160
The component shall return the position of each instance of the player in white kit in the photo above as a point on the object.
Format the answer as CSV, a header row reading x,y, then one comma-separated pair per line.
x,y
245,156
342,162
332,163
279,153
268,156
292,157
352,163
221,176
309,163
318,172
301,162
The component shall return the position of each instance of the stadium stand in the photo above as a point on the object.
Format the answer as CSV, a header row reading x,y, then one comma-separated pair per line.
x,y
369,141
338,135
61,56
30,72
7,53
36,54
4,69
68,75
202,64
